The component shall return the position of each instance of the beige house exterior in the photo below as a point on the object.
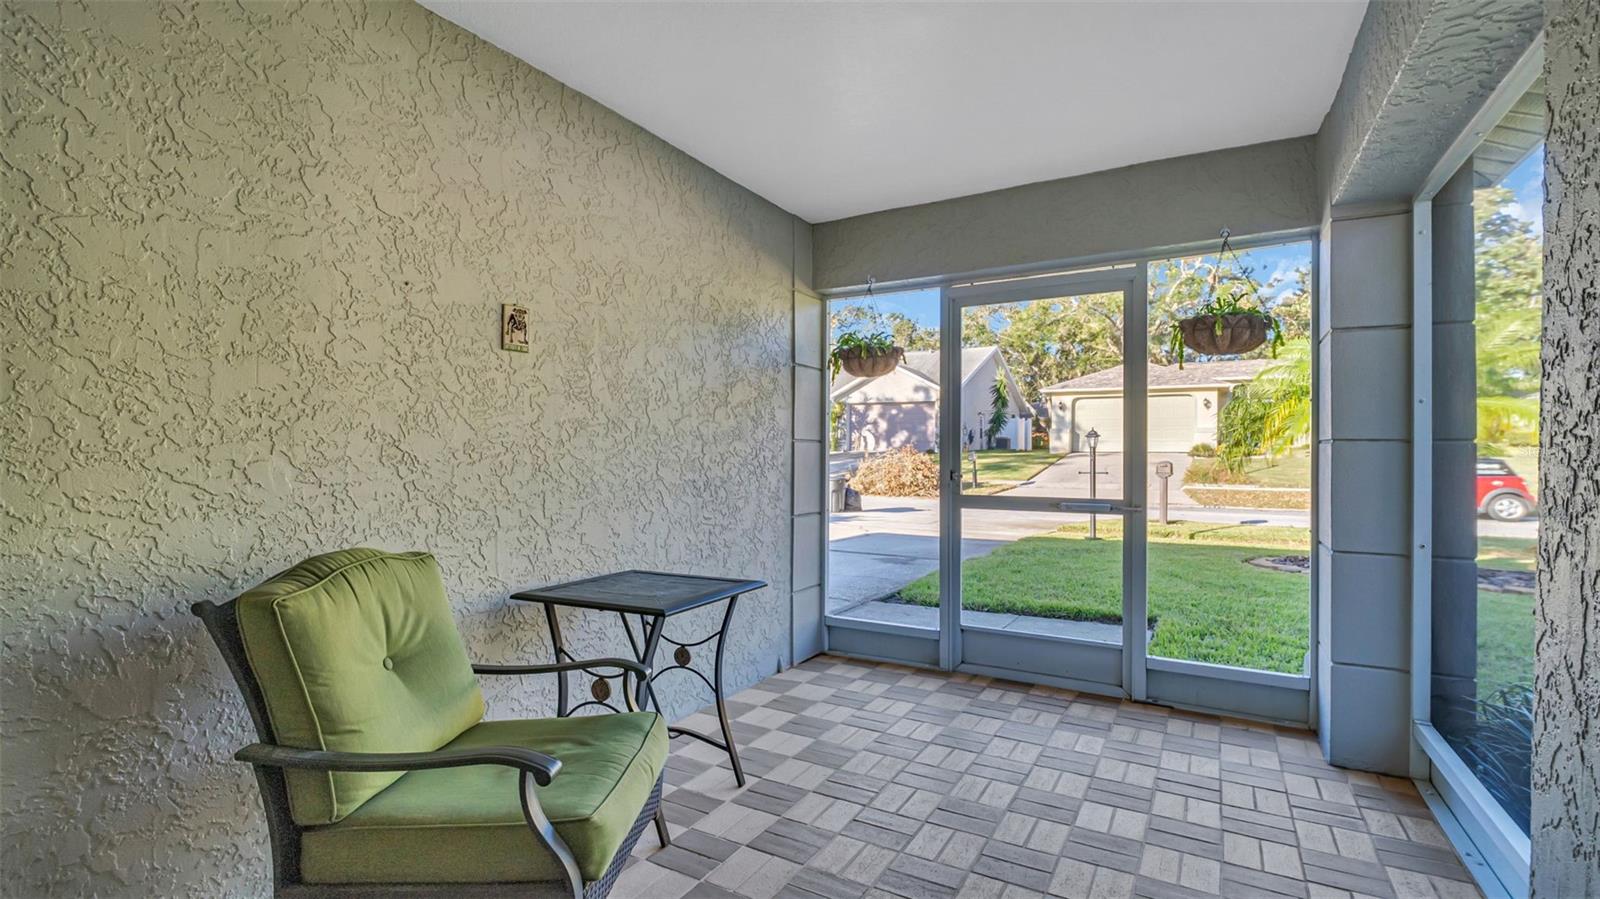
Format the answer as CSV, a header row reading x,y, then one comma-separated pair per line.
x,y
1184,405
902,408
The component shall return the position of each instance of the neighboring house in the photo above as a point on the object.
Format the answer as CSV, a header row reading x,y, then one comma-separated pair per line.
x,y
902,408
1183,408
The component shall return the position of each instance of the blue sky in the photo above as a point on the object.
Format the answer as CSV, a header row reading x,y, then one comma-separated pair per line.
x,y
1527,185
922,306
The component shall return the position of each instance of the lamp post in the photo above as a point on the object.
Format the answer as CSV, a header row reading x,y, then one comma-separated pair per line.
x,y
1093,439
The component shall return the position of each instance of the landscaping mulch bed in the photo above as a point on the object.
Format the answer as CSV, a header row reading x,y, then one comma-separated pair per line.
x,y
1499,580
1248,497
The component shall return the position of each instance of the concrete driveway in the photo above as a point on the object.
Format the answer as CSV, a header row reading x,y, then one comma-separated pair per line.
x,y
1069,476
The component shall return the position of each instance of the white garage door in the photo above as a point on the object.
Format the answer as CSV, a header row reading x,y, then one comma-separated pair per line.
x,y
1172,423
1098,413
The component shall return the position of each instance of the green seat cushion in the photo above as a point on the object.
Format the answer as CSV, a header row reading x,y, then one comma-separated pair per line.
x,y
357,651
465,825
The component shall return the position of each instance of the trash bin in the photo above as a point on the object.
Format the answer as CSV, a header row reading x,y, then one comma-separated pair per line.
x,y
836,489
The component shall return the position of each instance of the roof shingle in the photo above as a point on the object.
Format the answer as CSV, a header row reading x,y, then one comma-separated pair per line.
x,y
1193,374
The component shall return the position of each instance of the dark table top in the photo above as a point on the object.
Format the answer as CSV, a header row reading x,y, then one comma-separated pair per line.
x,y
641,592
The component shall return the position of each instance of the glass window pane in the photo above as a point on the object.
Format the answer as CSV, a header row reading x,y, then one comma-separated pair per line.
x,y
1041,382
1487,474
1042,573
1229,551
883,529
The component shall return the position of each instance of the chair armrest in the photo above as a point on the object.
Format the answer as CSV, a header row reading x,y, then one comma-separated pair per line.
x,y
630,669
638,670
542,767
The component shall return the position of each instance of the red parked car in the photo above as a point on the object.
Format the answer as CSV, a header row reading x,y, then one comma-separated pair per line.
x,y
1502,494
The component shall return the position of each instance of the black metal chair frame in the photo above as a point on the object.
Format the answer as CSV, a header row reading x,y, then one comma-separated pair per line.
x,y
535,768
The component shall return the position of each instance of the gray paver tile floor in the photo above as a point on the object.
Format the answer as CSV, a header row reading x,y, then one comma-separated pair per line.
x,y
874,781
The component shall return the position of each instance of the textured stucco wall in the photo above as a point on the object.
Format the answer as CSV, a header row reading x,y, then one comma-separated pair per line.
x,y
1417,73
1257,189
1565,827
253,262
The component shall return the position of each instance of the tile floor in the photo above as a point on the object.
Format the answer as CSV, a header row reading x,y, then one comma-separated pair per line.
x,y
875,781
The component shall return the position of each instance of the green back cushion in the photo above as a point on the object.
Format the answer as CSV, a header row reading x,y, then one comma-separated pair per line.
x,y
356,651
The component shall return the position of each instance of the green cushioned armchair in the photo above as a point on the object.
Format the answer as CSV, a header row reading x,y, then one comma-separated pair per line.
x,y
377,771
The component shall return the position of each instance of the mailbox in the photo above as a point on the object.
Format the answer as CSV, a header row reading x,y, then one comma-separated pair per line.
x,y
1163,469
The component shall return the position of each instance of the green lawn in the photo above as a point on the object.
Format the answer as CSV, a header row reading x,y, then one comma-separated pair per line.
x,y
1206,603
1513,553
999,470
1505,640
1293,470
1008,465
1505,620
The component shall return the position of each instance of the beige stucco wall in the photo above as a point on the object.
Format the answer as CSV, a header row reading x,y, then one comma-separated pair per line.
x,y
1208,412
254,256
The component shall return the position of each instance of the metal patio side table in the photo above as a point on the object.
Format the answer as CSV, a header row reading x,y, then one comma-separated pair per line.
x,y
653,597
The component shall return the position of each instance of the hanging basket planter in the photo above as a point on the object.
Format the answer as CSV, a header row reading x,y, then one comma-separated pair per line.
x,y
864,354
1224,335
869,363
1232,319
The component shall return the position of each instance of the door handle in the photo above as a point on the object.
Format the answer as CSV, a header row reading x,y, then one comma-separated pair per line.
x,y
1082,506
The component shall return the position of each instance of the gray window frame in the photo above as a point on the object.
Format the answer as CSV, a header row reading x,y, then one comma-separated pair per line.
x,y
1267,696
1493,847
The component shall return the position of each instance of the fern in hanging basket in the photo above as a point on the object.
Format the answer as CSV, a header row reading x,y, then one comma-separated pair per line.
x,y
865,355
1232,320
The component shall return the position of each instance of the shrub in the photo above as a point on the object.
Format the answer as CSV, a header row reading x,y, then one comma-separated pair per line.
x,y
1202,451
900,472
1205,470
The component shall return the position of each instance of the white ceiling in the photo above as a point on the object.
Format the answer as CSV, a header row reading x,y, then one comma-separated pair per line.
x,y
835,109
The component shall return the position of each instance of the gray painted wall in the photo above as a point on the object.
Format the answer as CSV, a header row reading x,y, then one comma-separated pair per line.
x,y
1566,742
1253,190
1364,522
1417,73
254,261
808,537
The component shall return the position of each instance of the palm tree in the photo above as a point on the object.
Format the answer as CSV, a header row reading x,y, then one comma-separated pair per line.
x,y
1270,414
1507,421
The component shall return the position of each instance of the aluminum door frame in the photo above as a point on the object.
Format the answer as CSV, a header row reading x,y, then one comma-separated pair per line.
x,y
1130,281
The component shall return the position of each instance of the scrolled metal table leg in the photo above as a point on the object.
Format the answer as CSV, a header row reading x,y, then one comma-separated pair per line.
x,y
722,707
559,650
652,639
682,658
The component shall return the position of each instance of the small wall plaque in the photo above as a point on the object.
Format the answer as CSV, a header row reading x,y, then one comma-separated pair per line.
x,y
514,328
